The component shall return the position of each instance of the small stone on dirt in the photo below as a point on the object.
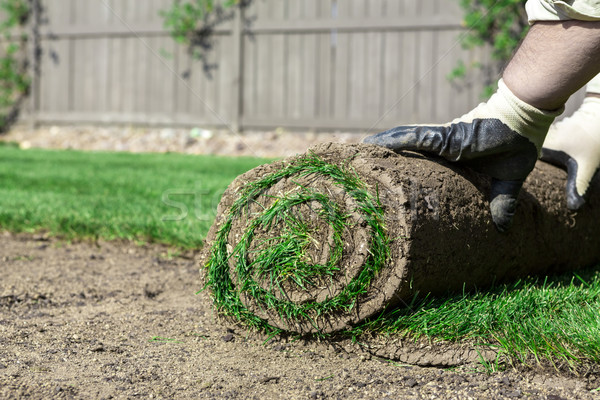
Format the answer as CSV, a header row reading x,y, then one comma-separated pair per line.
x,y
270,379
554,397
97,348
515,394
411,383
228,338
152,291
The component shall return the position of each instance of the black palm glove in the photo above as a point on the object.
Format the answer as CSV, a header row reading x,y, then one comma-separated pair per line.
x,y
500,138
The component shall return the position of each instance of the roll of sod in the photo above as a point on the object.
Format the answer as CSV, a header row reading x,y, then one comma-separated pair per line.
x,y
326,240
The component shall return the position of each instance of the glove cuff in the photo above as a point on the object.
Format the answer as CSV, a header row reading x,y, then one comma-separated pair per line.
x,y
523,118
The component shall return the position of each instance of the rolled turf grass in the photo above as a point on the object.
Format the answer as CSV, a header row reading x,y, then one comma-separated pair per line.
x,y
323,241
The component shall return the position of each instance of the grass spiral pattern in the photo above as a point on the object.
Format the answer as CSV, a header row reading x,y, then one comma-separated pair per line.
x,y
264,270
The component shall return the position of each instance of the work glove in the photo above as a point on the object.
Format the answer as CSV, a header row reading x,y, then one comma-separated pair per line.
x,y
574,144
501,138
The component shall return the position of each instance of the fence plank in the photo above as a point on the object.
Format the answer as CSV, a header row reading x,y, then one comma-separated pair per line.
x,y
160,72
341,76
357,67
450,92
391,8
214,91
324,80
263,76
115,96
408,99
55,93
408,7
309,9
344,9
360,8
225,81
182,80
278,87
250,77
427,72
126,74
309,86
391,76
195,90
294,54
326,8
80,83
373,79
279,61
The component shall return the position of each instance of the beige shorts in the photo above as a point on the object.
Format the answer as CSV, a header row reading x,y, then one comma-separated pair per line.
x,y
557,10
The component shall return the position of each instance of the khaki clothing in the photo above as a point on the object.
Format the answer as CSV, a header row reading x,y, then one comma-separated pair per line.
x,y
558,10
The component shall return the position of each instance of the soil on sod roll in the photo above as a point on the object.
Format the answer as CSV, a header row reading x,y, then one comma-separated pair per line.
x,y
322,241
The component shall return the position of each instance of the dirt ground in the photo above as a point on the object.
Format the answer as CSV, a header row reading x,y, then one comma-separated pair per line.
x,y
118,320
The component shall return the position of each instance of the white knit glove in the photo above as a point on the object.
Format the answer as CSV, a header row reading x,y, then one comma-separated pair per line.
x,y
574,144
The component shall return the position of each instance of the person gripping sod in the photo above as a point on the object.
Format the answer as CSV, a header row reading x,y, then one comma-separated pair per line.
x,y
504,136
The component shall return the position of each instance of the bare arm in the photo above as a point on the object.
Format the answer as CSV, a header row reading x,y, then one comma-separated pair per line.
x,y
554,61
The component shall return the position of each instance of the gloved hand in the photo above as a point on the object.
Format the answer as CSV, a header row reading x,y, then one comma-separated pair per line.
x,y
574,144
501,138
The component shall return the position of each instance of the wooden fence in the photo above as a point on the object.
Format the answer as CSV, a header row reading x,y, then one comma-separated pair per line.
x,y
306,64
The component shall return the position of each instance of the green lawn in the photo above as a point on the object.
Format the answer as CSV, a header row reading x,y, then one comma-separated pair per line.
x,y
172,198
168,198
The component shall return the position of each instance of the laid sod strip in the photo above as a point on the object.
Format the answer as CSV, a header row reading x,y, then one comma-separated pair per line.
x,y
284,259
553,321
167,198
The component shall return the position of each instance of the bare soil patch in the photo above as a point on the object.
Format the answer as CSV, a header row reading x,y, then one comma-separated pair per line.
x,y
119,320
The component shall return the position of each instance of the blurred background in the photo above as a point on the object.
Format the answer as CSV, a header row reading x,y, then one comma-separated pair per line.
x,y
124,74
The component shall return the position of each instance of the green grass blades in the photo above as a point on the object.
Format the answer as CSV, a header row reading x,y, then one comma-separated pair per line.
x,y
555,321
283,258
167,198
